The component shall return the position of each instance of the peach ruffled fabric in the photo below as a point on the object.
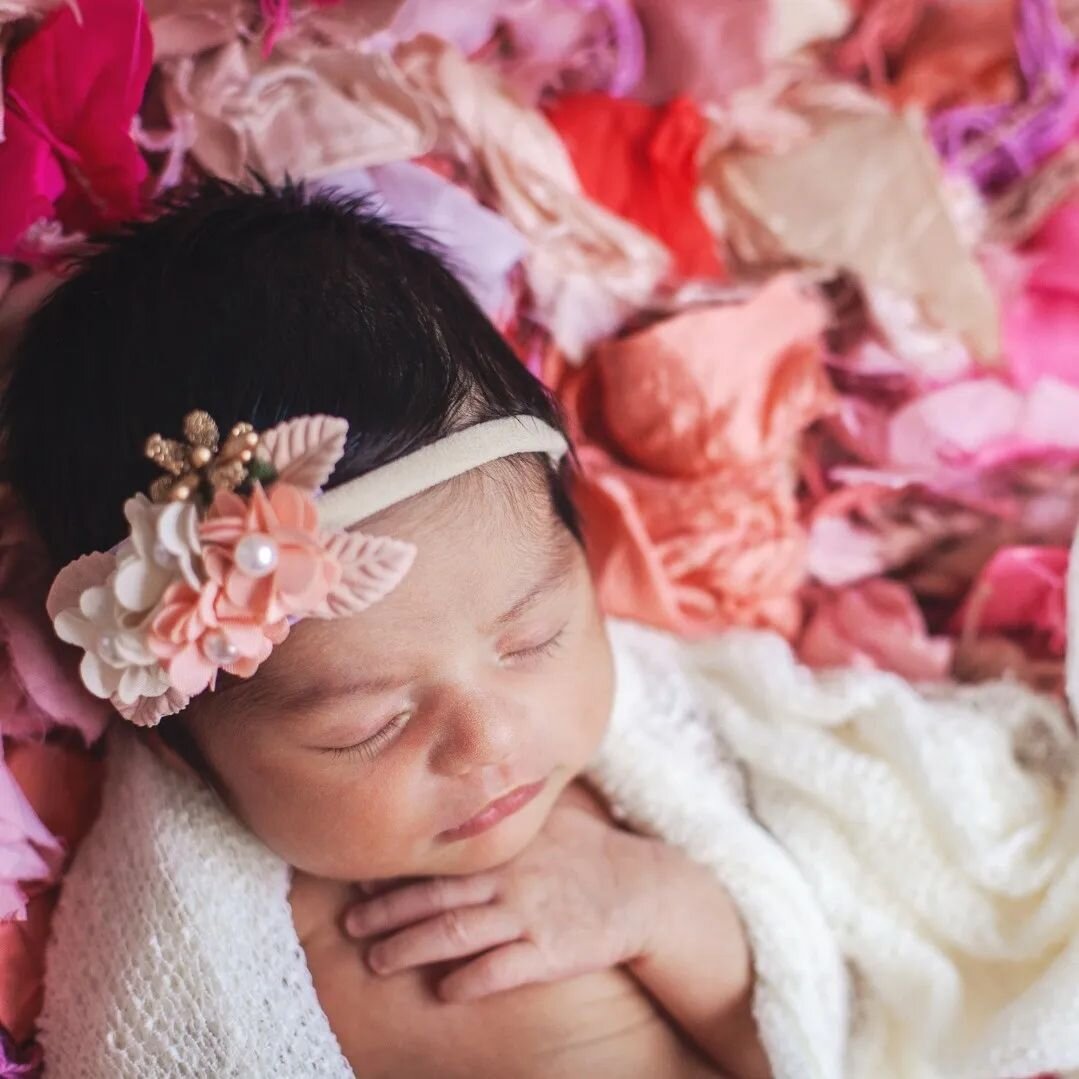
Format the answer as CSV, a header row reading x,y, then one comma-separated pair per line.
x,y
687,434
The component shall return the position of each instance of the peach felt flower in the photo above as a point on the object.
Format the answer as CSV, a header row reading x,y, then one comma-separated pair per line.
x,y
266,554
265,562
193,642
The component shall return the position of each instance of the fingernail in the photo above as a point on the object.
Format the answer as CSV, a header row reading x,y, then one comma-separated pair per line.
x,y
376,961
354,922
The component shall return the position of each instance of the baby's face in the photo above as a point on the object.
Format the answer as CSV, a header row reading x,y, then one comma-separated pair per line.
x,y
374,746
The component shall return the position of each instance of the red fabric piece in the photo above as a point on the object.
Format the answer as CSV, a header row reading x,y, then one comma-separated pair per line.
x,y
640,161
72,89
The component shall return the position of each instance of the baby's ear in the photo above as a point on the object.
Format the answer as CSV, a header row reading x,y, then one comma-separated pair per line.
x,y
169,756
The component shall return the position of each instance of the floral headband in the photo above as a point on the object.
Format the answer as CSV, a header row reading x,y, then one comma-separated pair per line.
x,y
236,542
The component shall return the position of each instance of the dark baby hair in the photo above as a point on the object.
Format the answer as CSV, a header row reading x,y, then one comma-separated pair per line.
x,y
253,305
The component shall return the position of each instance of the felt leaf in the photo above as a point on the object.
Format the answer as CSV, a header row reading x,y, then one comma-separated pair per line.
x,y
75,578
371,568
304,450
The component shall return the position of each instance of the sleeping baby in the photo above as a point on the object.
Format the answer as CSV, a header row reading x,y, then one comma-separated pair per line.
x,y
388,797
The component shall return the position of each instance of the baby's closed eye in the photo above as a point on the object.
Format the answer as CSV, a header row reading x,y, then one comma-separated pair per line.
x,y
369,747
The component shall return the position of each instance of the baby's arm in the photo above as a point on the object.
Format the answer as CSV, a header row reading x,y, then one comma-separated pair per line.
x,y
697,964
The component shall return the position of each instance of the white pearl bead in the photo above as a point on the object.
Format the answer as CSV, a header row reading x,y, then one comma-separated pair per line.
x,y
256,555
219,649
162,555
107,650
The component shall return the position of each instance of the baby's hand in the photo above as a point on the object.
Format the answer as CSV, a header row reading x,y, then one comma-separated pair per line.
x,y
584,896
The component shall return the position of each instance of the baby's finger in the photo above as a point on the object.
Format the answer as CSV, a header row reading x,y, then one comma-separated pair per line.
x,y
415,902
517,964
453,934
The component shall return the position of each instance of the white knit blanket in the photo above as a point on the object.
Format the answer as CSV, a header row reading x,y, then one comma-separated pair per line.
x,y
911,892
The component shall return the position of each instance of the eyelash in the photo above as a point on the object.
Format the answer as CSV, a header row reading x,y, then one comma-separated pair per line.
x,y
544,649
369,748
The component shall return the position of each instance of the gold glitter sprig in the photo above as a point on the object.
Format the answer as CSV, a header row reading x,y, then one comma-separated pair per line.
x,y
199,463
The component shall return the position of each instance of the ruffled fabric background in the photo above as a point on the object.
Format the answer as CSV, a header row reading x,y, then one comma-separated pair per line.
x,y
804,273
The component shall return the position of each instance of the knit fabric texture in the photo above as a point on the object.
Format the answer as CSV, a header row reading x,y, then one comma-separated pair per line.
x,y
906,864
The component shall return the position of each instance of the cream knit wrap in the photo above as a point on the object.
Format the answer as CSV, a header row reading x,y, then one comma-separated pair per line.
x,y
911,893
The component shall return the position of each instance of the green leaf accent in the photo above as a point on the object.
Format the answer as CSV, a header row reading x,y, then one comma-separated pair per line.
x,y
262,471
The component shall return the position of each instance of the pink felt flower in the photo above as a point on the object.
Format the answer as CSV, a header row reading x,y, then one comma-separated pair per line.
x,y
182,597
72,90
266,554
874,624
183,618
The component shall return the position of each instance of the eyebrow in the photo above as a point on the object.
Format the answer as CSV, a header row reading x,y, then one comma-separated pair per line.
x,y
557,574
369,684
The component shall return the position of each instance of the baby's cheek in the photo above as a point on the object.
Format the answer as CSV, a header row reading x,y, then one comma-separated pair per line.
x,y
328,818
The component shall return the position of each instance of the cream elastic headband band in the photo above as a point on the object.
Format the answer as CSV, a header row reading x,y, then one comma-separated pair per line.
x,y
444,460
236,544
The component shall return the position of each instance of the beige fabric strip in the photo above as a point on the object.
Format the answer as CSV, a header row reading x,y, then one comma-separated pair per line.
x,y
444,460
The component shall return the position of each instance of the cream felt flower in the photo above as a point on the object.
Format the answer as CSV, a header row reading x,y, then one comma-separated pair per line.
x,y
116,661
163,545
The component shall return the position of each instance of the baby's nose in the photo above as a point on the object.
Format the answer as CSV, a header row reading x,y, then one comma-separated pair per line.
x,y
475,735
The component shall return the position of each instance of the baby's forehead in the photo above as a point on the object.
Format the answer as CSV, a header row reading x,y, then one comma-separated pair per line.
x,y
483,543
